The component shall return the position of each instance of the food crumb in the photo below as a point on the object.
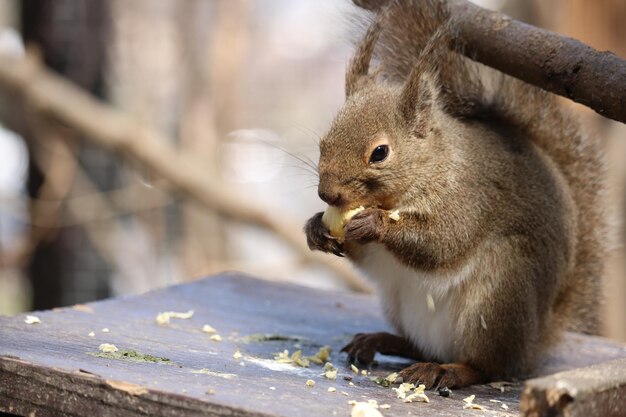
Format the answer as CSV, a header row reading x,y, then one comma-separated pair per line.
x,y
430,302
330,371
332,389
237,354
418,395
345,393
310,383
216,338
354,368
273,388
503,405
384,406
164,317
208,329
351,383
363,372
107,348
105,330
469,403
32,320
91,334
395,215
363,409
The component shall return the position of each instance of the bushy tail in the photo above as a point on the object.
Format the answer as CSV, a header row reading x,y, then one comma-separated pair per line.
x,y
469,89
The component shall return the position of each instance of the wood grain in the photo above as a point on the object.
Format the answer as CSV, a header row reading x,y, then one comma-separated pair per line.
x,y
51,368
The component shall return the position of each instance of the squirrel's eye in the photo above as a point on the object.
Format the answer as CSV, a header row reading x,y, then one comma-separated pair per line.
x,y
379,154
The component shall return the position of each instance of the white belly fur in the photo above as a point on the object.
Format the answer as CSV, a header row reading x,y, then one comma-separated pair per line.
x,y
404,294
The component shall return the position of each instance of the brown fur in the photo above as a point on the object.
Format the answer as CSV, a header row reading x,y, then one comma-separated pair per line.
x,y
482,167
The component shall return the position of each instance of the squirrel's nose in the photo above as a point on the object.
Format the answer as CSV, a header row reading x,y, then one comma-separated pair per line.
x,y
332,198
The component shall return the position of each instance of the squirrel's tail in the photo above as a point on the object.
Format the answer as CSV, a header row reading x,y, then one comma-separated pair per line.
x,y
469,89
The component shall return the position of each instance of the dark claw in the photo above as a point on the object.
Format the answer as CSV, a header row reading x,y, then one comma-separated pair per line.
x,y
319,238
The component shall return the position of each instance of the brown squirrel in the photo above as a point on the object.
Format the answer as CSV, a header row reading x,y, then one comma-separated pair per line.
x,y
499,243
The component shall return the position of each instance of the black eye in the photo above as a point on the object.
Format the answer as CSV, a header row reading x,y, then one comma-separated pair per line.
x,y
379,154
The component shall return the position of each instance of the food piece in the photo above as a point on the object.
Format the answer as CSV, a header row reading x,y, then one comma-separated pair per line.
x,y
395,215
469,403
107,348
310,383
354,368
362,409
164,317
388,380
216,338
430,302
237,354
321,356
32,320
91,334
384,406
403,389
283,357
105,330
332,389
335,219
330,371
418,395
364,372
297,359
504,406
208,329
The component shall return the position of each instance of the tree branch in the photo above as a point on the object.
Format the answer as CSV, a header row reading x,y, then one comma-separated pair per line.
x,y
52,95
555,63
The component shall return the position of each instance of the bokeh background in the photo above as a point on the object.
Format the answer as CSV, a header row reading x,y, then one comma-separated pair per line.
x,y
243,87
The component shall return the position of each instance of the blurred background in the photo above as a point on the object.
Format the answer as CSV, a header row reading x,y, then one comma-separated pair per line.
x,y
245,89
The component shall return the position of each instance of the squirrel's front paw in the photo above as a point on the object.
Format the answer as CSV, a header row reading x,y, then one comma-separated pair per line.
x,y
318,236
367,226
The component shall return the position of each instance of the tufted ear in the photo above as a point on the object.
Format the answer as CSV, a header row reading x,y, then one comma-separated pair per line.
x,y
419,97
357,74
424,89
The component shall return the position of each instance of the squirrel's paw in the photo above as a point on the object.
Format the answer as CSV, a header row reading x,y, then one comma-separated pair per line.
x,y
367,226
364,346
434,375
318,236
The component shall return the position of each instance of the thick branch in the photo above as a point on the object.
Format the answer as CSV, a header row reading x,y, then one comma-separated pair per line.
x,y
109,128
556,63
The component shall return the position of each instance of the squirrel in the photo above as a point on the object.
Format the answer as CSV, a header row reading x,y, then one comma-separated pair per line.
x,y
499,243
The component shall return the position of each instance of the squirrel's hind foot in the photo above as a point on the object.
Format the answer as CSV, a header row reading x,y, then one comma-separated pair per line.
x,y
434,375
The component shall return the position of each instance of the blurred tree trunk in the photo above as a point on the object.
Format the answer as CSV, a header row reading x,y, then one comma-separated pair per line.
x,y
70,35
214,60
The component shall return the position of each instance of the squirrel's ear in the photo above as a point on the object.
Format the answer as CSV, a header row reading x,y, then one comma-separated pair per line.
x,y
418,99
358,69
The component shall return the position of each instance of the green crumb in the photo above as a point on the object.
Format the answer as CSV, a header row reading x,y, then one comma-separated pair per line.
x,y
133,356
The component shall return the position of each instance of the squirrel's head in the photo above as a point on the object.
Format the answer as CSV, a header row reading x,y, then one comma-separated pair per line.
x,y
386,143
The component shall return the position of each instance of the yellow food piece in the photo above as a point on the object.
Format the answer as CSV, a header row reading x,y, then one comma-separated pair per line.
x,y
362,409
335,219
310,383
107,348
32,320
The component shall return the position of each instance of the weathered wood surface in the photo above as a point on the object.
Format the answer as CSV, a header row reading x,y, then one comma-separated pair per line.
x,y
49,368
598,390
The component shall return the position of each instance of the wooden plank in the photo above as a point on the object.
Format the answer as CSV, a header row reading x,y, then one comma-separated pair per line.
x,y
598,390
51,368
